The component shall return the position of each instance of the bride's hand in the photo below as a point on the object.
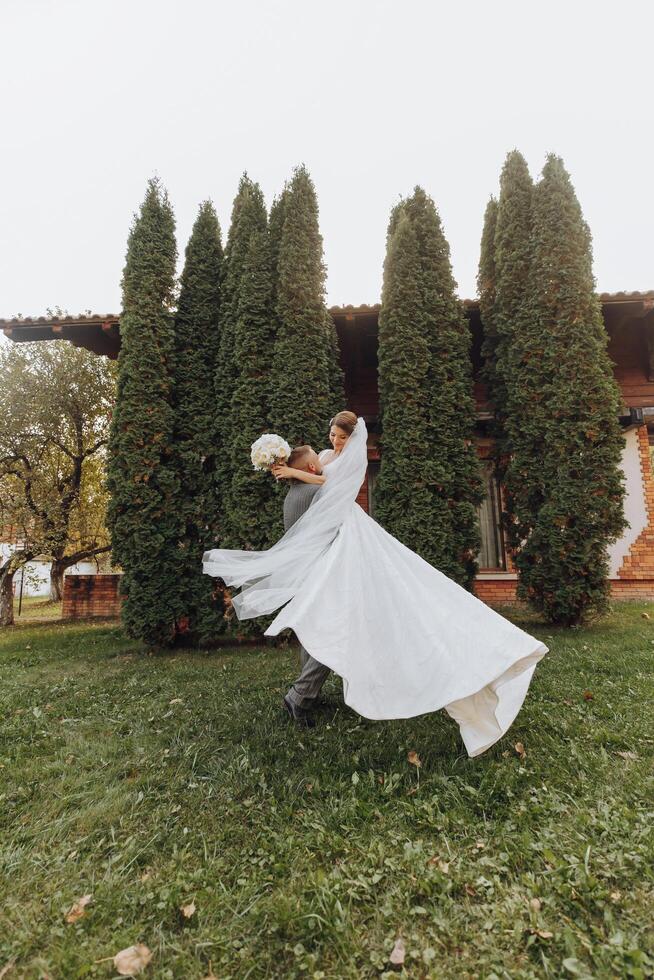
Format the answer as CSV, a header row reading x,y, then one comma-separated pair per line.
x,y
281,472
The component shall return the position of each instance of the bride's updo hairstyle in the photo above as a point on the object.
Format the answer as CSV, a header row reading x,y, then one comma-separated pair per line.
x,y
345,421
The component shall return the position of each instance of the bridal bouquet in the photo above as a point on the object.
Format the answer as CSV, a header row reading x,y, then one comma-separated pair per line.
x,y
269,449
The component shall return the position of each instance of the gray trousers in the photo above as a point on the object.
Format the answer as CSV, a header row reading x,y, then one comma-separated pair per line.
x,y
307,687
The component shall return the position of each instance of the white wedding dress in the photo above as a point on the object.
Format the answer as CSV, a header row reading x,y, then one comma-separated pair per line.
x,y
405,638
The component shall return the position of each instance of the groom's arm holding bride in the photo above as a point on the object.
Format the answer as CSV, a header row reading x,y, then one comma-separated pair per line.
x,y
283,472
303,464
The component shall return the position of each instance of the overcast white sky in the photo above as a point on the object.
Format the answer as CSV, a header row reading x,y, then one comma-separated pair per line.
x,y
374,96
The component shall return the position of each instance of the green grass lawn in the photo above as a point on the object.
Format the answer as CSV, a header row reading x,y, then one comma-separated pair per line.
x,y
36,608
156,782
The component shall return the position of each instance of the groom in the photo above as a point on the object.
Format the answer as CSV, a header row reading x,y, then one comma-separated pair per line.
x,y
302,694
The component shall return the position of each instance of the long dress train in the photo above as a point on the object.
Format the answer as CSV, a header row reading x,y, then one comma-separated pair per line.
x,y
405,638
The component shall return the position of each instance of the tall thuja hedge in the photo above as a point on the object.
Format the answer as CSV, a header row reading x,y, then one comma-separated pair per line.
x,y
457,478
275,230
513,253
253,505
486,286
564,483
430,481
248,216
143,513
336,378
403,495
502,283
306,382
196,350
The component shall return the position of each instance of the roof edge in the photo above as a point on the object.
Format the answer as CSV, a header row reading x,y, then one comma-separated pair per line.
x,y
634,296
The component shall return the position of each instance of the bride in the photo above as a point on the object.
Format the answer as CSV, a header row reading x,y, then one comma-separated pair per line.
x,y
405,638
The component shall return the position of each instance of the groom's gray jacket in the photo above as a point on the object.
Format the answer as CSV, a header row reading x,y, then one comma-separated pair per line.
x,y
306,688
297,501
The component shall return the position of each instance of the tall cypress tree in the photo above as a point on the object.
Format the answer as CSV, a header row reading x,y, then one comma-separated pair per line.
x,y
253,507
276,229
143,513
512,265
456,475
486,287
438,459
196,350
304,370
248,216
403,496
564,481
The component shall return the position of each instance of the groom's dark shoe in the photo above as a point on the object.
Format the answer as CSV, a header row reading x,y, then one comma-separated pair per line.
x,y
299,715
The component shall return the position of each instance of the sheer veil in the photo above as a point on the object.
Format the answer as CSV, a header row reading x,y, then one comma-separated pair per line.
x,y
268,579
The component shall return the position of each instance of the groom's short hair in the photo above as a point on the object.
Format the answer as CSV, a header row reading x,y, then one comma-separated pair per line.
x,y
298,456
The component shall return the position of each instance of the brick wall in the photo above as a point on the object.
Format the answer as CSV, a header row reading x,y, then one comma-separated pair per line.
x,y
499,592
87,596
496,591
634,589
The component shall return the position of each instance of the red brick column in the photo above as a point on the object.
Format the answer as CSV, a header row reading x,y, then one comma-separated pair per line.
x,y
636,573
638,563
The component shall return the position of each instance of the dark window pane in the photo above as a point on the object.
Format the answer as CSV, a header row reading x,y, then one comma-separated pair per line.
x,y
491,553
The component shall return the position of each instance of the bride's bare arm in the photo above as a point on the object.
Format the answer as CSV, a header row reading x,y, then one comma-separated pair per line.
x,y
282,472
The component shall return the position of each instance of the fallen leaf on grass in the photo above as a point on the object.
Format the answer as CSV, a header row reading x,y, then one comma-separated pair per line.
x,y
188,910
469,890
627,755
542,933
616,896
443,866
414,759
520,749
574,966
78,909
588,695
645,615
132,960
398,953
534,904
176,701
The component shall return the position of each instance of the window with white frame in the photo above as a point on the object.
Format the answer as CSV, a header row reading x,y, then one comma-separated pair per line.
x,y
491,553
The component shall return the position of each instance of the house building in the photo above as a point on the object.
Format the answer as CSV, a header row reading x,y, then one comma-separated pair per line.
x,y
629,321
33,578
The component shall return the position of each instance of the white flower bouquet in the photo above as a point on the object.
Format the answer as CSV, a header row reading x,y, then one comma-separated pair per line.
x,y
269,449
